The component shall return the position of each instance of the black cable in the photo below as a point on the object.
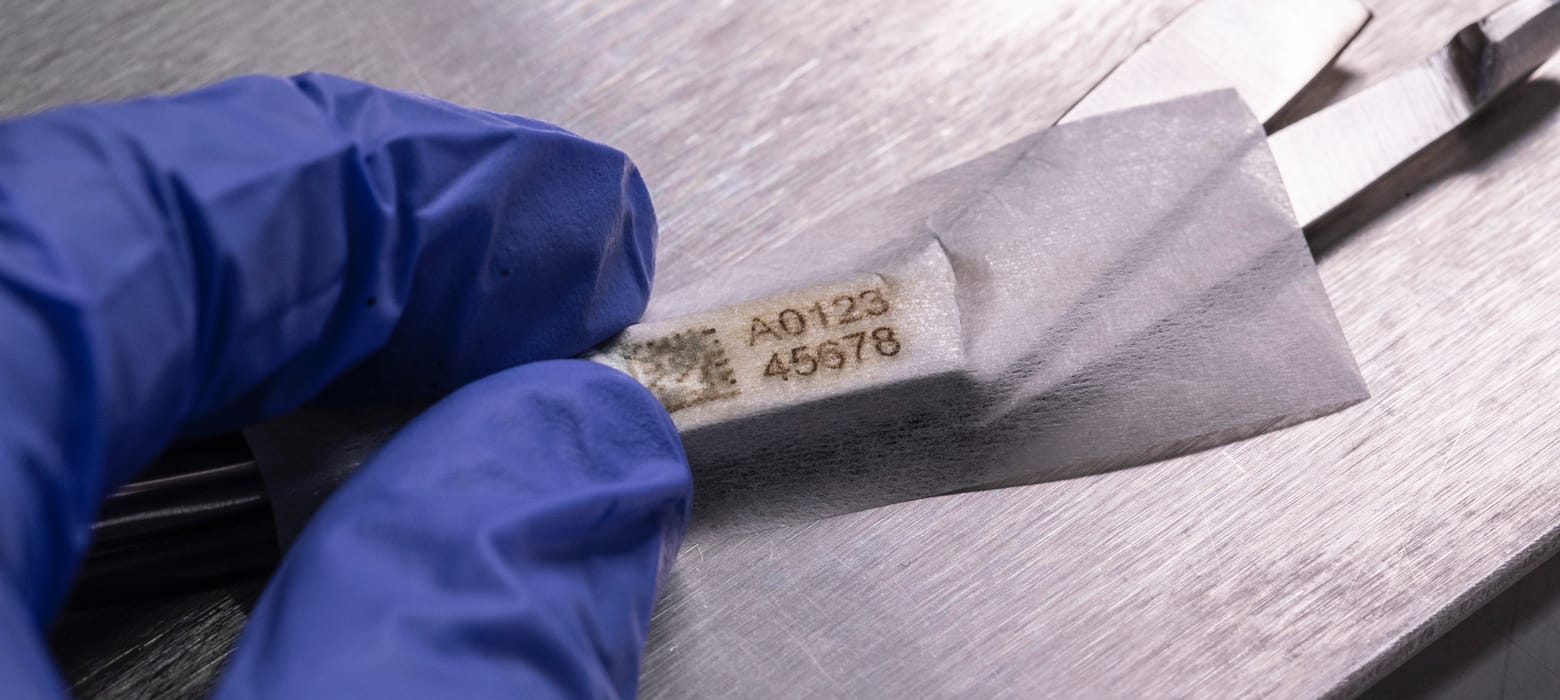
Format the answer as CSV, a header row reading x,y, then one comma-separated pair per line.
x,y
198,518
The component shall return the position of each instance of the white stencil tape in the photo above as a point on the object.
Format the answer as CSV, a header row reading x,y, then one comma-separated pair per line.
x,y
1093,296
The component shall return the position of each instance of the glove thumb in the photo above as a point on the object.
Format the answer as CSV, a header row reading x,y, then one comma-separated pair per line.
x,y
508,542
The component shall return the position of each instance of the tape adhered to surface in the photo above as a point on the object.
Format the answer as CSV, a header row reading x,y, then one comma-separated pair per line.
x,y
1097,295
837,339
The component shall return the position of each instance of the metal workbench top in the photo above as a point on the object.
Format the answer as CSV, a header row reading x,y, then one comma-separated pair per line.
x,y
1303,562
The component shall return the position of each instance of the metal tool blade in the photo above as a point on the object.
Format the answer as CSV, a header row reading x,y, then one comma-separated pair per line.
x,y
1330,156
1267,51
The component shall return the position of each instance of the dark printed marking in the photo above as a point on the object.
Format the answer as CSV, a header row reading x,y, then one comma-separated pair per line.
x,y
842,310
683,369
834,354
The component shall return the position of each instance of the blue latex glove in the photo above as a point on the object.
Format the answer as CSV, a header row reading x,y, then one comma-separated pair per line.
x,y
195,263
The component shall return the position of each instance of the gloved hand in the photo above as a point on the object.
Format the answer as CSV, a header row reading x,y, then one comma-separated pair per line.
x,y
191,264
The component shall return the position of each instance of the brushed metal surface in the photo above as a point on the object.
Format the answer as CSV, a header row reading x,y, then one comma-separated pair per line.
x,y
1305,562
1508,649
1267,51
1329,156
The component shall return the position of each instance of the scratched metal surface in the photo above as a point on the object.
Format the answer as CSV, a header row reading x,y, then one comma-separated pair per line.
x,y
1508,649
1306,562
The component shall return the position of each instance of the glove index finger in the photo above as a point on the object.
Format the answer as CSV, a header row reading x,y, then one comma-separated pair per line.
x,y
197,262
